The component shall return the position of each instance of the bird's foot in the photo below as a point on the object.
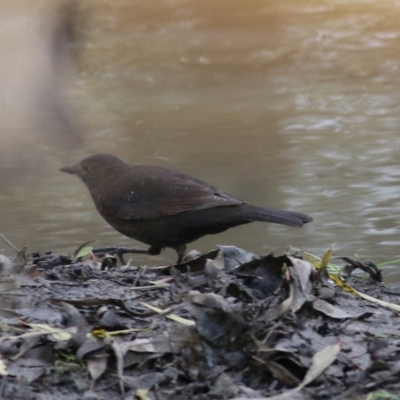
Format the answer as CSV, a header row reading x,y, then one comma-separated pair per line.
x,y
120,251
181,252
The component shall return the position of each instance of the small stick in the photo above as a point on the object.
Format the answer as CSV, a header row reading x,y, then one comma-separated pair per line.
x,y
9,243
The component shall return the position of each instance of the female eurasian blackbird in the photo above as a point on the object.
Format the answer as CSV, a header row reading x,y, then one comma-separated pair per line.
x,y
165,208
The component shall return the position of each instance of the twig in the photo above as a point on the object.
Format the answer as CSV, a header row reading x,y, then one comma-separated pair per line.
x,y
9,243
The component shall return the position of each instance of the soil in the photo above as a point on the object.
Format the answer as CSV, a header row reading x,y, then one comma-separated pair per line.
x,y
223,325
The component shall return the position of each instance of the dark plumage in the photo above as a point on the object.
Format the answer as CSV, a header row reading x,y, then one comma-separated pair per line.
x,y
165,208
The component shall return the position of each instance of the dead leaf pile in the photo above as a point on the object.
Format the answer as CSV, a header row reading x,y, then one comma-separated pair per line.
x,y
223,325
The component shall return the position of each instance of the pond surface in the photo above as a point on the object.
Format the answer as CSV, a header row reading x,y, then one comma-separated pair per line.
x,y
293,105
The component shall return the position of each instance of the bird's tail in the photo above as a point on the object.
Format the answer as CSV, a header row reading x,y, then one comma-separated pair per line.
x,y
282,217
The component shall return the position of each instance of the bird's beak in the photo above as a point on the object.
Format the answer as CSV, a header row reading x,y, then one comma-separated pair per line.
x,y
71,169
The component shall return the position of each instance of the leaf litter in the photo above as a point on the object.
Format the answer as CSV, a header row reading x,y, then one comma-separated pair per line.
x,y
227,324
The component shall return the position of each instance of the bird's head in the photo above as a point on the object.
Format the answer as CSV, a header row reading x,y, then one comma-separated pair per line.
x,y
94,170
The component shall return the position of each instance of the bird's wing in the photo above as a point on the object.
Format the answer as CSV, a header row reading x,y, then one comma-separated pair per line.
x,y
157,192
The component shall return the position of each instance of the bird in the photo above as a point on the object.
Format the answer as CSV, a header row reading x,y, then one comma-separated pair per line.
x,y
162,208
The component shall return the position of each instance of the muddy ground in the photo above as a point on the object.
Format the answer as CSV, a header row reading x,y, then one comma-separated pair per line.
x,y
225,325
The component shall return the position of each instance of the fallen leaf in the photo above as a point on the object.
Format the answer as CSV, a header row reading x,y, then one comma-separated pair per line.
x,y
281,309
57,334
330,310
174,317
97,366
282,374
321,360
3,368
303,269
142,394
83,250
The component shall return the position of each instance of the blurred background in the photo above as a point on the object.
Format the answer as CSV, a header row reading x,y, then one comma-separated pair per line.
x,y
293,105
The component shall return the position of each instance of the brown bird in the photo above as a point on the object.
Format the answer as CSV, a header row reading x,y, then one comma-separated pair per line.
x,y
165,208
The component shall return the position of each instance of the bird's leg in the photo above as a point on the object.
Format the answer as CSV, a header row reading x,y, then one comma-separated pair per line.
x,y
152,250
120,251
181,252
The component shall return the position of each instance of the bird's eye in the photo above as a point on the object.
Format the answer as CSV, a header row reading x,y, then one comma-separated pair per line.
x,y
85,168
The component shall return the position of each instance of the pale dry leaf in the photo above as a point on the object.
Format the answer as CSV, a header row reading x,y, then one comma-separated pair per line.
x,y
321,360
174,317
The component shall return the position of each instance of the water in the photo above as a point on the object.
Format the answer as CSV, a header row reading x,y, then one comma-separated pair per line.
x,y
284,104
